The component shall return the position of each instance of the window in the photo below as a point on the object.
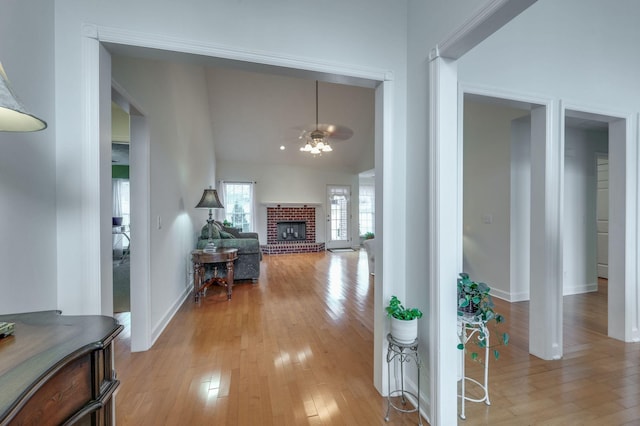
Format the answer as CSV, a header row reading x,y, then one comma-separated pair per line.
x,y
367,209
121,200
238,204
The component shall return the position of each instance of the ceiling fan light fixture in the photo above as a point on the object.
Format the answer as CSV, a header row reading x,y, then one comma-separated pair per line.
x,y
327,148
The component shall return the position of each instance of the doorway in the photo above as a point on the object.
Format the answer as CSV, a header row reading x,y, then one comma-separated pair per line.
x,y
121,221
609,211
141,324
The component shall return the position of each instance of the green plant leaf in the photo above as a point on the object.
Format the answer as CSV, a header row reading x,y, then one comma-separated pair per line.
x,y
496,354
460,346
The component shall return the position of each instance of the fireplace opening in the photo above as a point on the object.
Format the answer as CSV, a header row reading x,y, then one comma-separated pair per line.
x,y
292,231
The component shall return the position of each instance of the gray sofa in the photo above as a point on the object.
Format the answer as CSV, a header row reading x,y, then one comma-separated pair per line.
x,y
247,267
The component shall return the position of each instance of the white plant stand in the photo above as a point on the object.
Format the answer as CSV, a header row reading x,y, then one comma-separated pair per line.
x,y
469,328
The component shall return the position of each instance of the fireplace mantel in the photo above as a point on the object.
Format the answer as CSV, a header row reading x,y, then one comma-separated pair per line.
x,y
291,204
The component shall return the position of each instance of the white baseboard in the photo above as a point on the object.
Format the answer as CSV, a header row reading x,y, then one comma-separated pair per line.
x,y
166,318
587,288
524,296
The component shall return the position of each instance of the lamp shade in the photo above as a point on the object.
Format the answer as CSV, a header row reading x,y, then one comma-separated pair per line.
x,y
13,115
210,200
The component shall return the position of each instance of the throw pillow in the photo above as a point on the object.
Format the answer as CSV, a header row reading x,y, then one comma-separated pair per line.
x,y
227,235
215,233
232,231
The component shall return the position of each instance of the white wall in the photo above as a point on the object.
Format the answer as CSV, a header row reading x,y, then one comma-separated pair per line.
x,y
580,189
487,194
27,162
549,50
520,209
182,165
290,184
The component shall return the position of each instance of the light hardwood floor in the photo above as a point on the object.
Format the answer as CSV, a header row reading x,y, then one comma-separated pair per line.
x,y
596,383
296,349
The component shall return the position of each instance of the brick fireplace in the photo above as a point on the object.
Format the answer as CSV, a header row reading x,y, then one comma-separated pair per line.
x,y
297,226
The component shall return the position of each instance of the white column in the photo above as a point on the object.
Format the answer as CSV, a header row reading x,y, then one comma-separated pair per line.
x,y
445,236
623,291
545,313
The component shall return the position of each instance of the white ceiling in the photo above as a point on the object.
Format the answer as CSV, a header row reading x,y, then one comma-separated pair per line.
x,y
256,109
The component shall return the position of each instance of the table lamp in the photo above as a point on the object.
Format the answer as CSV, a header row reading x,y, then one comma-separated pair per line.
x,y
210,201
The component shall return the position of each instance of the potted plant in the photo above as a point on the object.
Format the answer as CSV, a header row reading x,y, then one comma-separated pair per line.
x,y
404,321
476,305
366,236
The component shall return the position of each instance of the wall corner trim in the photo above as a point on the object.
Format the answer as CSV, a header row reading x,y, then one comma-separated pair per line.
x,y
434,53
90,31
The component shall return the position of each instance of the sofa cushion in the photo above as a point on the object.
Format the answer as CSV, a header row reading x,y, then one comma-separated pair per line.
x,y
244,245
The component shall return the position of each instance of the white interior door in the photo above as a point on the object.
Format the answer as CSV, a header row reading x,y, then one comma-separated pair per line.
x,y
602,216
338,216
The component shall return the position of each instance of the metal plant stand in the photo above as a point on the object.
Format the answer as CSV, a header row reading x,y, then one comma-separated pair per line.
x,y
402,352
468,327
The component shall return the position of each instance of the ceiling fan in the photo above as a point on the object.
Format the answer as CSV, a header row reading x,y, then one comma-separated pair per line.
x,y
316,139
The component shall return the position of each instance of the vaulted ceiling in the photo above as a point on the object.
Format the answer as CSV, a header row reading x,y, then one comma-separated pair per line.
x,y
258,112
255,115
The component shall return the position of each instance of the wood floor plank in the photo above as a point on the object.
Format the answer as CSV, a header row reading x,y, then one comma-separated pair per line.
x,y
296,348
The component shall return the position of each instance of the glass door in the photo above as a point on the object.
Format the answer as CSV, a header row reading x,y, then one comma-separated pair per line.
x,y
338,216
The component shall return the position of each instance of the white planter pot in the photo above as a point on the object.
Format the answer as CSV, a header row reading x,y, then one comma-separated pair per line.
x,y
404,331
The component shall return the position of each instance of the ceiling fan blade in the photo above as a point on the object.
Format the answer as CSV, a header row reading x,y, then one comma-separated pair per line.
x,y
332,131
336,131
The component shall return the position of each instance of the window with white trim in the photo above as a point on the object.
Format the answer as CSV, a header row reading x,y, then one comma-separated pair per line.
x,y
238,205
367,208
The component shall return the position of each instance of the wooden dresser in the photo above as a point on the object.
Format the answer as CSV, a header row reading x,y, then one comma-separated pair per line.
x,y
58,369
